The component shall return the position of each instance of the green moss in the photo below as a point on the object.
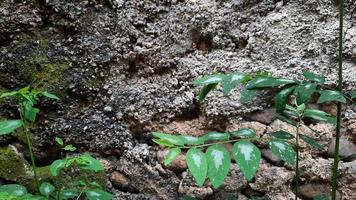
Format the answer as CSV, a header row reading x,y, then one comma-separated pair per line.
x,y
13,166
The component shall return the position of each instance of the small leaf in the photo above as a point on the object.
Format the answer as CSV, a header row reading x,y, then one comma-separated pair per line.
x,y
311,142
8,94
248,157
172,155
282,135
268,82
56,166
98,194
313,77
244,132
247,95
9,126
163,142
186,197
173,139
14,189
218,159
331,95
230,81
30,112
191,140
92,164
67,194
321,197
319,115
304,92
286,119
69,147
49,95
281,99
59,141
353,94
216,136
210,79
205,90
46,189
197,165
283,150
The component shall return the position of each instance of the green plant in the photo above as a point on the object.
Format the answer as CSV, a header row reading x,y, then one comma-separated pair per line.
x,y
291,106
27,98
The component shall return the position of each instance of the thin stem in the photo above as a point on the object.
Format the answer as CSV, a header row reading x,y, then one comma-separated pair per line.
x,y
297,162
339,105
220,142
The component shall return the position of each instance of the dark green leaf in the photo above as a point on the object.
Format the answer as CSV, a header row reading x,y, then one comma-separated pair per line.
x,y
313,77
186,197
8,126
49,95
321,197
205,90
8,94
244,132
353,94
247,95
304,92
163,142
319,115
173,139
268,82
230,81
46,189
331,95
283,150
172,154
248,157
67,194
59,141
282,135
30,112
197,164
281,99
210,79
14,189
56,166
69,147
191,140
92,163
311,142
286,119
98,194
216,136
218,159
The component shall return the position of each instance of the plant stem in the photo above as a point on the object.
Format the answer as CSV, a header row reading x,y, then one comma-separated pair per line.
x,y
339,105
297,162
220,142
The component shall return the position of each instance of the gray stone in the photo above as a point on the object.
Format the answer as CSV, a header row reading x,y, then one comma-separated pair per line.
x,y
346,148
311,190
266,116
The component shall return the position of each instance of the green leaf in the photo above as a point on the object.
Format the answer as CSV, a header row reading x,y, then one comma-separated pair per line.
x,y
186,197
218,159
319,115
268,82
67,194
8,94
69,147
14,189
46,189
353,94
8,126
286,119
98,194
283,150
321,197
244,132
215,136
282,135
281,99
56,166
30,112
331,95
197,165
311,142
59,141
248,157
191,140
172,155
230,81
247,95
313,77
205,90
304,92
92,164
163,142
173,139
210,79
49,95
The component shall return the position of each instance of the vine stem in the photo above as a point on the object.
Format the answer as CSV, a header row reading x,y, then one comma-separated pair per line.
x,y
339,105
297,162
220,142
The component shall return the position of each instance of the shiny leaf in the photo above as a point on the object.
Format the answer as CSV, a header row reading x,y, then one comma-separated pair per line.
x,y
172,155
163,142
30,112
353,94
321,197
67,194
14,189
319,115
197,165
281,99
8,94
331,95
56,166
248,157
247,95
91,163
173,139
59,141
313,77
311,142
282,135
9,126
49,95
230,81
205,91
268,82
304,92
286,119
216,136
210,79
218,159
191,140
244,132
283,150
98,194
69,147
46,189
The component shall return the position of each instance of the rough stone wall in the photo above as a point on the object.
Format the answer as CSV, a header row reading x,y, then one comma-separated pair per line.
x,y
124,68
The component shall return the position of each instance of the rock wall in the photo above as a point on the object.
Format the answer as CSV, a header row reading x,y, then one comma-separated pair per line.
x,y
124,68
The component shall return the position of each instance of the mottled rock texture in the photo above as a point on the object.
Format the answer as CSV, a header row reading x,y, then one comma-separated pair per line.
x,y
121,67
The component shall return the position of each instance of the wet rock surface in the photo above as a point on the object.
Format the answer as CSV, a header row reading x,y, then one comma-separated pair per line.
x,y
125,68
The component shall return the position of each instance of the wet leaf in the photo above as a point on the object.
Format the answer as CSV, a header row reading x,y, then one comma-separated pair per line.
x,y
268,82
281,99
331,95
209,79
191,140
218,159
205,91
319,115
244,132
230,81
282,135
304,92
248,157
313,77
215,136
283,150
197,165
